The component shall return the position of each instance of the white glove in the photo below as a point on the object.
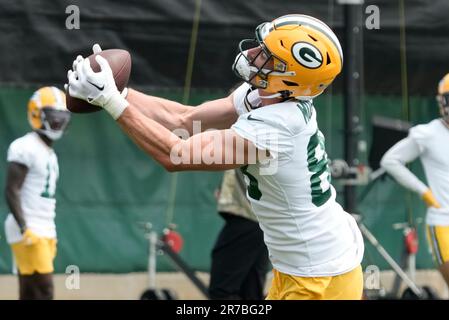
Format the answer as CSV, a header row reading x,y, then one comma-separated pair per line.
x,y
97,88
97,49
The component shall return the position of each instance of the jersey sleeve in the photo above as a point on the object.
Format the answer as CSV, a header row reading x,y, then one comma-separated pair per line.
x,y
239,98
394,162
420,135
265,134
19,152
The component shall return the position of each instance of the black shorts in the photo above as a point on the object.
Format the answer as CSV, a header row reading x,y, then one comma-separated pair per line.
x,y
239,260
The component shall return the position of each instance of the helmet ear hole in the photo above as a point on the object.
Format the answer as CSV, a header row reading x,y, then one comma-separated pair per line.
x,y
328,59
312,38
290,83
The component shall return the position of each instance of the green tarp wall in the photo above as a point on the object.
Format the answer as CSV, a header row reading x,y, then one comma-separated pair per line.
x,y
108,187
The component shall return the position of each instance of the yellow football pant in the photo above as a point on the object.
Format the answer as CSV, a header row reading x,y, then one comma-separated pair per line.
x,y
438,237
36,258
348,286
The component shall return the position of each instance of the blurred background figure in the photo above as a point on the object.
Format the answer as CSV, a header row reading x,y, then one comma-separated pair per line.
x,y
32,173
428,143
239,257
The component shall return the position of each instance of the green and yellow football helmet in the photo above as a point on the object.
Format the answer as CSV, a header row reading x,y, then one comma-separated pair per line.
x,y
47,112
301,57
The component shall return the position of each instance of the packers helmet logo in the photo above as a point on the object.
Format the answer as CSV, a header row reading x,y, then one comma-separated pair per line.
x,y
307,55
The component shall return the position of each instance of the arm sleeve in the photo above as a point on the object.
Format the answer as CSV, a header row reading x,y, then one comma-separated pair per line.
x,y
397,157
265,134
18,152
420,135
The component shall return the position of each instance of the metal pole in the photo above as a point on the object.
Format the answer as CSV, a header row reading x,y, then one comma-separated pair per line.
x,y
152,237
184,267
410,283
352,71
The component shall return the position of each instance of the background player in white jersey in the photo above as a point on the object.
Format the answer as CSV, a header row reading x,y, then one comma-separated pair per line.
x,y
30,193
268,128
429,143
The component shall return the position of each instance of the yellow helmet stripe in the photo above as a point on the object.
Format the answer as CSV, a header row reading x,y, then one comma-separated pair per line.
x,y
47,98
443,86
302,19
59,98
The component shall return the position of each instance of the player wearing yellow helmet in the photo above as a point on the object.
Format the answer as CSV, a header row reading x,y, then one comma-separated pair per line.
x,y
427,142
268,128
443,97
299,56
30,193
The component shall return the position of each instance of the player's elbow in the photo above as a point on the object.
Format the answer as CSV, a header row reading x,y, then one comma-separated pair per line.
x,y
175,167
384,162
174,164
171,168
388,163
169,165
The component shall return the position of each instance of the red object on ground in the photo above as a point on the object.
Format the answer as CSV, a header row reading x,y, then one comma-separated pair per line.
x,y
411,241
173,239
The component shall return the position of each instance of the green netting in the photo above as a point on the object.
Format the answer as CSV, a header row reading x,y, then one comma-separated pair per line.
x,y
108,186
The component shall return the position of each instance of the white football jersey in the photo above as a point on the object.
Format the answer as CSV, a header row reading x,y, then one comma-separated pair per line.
x,y
432,139
38,189
306,231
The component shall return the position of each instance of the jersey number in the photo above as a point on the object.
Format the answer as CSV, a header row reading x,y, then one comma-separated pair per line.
x,y
253,187
50,182
318,165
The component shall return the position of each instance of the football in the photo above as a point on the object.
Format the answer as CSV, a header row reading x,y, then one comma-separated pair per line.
x,y
120,63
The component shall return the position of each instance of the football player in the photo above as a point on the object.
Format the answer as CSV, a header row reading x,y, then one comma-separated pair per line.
x,y
428,143
30,193
268,128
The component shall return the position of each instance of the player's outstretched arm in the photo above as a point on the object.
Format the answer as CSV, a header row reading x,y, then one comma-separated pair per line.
x,y
211,150
214,114
155,139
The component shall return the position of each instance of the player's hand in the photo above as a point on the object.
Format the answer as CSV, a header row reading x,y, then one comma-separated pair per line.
x,y
97,88
29,237
96,48
429,199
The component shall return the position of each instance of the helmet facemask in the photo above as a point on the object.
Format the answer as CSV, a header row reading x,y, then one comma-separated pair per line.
x,y
245,66
54,122
254,62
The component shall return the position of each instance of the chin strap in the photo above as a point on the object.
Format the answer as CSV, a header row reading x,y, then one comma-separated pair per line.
x,y
281,94
275,95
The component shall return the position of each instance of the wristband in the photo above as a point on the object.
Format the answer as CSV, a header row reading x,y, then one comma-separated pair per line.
x,y
116,105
